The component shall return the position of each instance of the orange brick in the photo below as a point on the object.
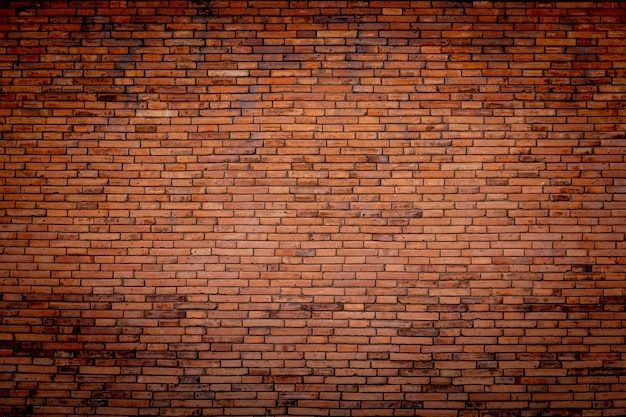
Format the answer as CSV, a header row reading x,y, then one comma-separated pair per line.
x,y
312,208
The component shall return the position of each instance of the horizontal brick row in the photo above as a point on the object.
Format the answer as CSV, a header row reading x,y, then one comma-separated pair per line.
x,y
312,208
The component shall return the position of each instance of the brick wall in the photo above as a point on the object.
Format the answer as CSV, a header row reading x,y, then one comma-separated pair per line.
x,y
312,208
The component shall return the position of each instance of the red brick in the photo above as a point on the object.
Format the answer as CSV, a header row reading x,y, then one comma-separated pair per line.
x,y
307,208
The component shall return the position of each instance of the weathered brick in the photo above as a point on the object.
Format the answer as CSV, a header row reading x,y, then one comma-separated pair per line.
x,y
312,208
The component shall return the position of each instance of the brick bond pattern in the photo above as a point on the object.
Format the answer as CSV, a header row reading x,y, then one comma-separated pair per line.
x,y
327,208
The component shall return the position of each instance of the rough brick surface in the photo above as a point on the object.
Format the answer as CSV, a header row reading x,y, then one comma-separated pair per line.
x,y
312,208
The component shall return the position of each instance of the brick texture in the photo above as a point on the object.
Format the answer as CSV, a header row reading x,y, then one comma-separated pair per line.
x,y
312,208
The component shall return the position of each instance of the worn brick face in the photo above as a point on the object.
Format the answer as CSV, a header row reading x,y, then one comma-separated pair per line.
x,y
312,208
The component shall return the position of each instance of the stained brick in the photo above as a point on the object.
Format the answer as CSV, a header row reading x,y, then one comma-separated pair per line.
x,y
312,208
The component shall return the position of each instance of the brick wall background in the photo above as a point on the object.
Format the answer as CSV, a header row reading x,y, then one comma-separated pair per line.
x,y
327,208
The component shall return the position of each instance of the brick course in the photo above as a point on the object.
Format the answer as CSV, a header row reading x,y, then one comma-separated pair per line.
x,y
312,208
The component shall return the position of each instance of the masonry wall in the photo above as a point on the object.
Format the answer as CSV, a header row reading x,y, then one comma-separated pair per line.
x,y
312,208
